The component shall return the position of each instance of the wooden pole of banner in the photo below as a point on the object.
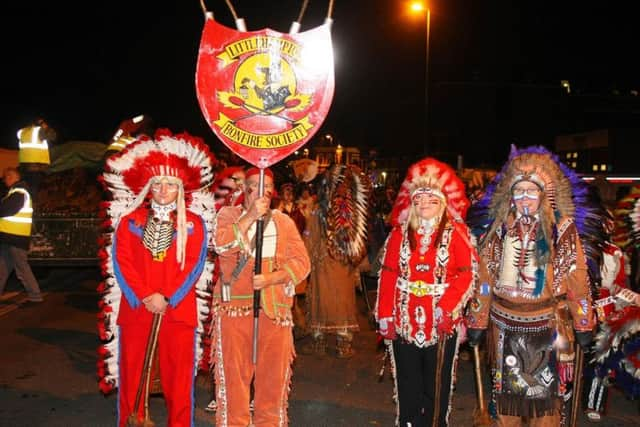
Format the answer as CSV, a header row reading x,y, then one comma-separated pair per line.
x,y
204,7
330,11
257,270
295,25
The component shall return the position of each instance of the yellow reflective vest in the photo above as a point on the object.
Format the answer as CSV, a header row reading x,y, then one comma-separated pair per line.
x,y
119,144
33,149
19,223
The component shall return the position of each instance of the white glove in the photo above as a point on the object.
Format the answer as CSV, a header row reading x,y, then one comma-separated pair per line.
x,y
383,325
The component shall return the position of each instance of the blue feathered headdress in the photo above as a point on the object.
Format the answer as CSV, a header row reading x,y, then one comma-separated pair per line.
x,y
567,193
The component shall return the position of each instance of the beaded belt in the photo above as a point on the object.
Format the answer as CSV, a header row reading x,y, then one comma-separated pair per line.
x,y
512,322
524,306
420,288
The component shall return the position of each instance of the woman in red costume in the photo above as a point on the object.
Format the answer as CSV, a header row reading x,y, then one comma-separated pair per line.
x,y
426,278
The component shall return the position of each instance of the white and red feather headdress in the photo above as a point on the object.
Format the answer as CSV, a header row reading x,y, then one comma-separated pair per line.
x,y
433,174
128,176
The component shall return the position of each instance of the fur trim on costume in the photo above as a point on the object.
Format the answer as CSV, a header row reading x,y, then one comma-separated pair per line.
x,y
127,177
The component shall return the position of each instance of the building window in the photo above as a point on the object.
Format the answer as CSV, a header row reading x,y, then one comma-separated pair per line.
x,y
575,154
594,168
603,167
573,165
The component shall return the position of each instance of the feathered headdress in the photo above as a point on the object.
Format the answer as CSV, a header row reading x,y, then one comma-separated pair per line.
x,y
627,221
617,350
566,193
343,199
433,174
128,176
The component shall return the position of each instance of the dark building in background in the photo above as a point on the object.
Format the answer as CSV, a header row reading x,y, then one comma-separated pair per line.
x,y
480,120
602,133
610,151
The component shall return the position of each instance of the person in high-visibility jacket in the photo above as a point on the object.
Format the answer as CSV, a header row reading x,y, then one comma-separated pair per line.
x,y
16,211
33,144
128,131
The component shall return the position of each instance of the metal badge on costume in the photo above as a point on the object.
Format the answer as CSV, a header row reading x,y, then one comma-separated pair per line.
x,y
264,93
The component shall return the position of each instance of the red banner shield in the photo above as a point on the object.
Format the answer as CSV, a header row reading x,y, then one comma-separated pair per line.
x,y
264,93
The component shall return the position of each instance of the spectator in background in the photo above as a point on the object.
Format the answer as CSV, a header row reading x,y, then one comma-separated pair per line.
x,y
305,200
288,206
228,187
16,211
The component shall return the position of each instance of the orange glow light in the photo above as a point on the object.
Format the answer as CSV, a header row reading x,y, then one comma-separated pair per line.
x,y
417,6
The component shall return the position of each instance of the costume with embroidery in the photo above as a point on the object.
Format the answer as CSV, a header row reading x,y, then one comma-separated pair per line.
x,y
617,347
533,289
151,248
282,251
426,278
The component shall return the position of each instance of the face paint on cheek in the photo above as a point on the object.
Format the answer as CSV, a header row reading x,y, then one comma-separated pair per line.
x,y
531,195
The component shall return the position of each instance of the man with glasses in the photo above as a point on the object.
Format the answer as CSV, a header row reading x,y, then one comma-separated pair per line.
x,y
533,291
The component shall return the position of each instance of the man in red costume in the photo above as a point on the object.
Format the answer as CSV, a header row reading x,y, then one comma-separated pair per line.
x,y
284,263
159,253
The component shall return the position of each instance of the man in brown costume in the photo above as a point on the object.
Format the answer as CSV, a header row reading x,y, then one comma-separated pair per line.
x,y
533,290
336,239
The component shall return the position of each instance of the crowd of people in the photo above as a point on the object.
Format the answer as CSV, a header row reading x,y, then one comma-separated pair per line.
x,y
225,269
222,269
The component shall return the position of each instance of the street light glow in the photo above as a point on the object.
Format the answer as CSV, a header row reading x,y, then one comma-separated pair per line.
x,y
417,6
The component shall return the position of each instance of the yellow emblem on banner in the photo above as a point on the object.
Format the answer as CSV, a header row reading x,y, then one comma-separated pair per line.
x,y
236,49
298,132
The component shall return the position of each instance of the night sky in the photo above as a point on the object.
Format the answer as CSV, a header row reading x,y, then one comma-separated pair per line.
x,y
85,66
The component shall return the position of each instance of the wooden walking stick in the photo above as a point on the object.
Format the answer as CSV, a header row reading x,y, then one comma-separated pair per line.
x,y
437,394
577,386
133,420
481,417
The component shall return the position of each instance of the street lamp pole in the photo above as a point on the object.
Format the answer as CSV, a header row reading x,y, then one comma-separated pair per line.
x,y
426,84
419,7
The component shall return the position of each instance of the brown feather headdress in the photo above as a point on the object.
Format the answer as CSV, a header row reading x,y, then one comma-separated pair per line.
x,y
343,198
